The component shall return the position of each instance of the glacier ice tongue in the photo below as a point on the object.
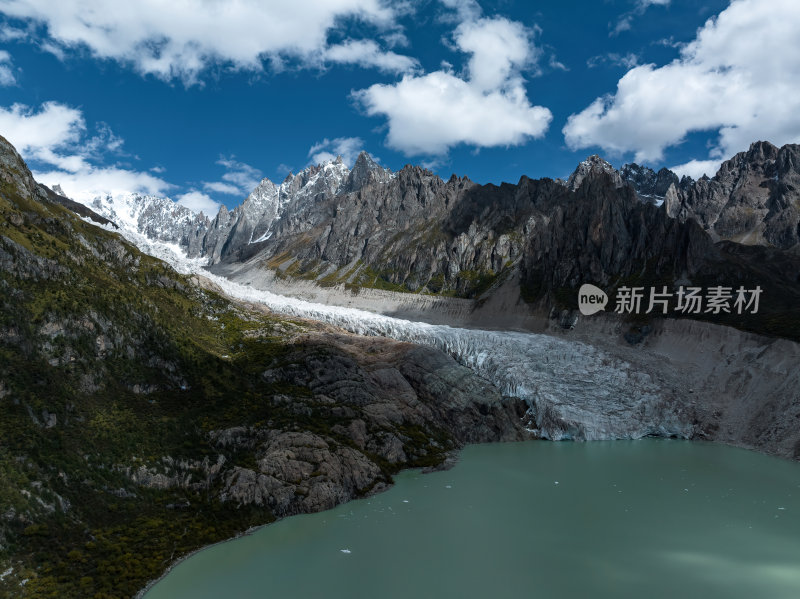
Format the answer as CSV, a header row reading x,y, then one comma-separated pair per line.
x,y
574,390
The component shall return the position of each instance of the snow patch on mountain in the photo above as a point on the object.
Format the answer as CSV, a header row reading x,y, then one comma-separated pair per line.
x,y
253,221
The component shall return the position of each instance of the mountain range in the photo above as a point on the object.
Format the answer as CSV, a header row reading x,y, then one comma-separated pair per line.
x,y
535,241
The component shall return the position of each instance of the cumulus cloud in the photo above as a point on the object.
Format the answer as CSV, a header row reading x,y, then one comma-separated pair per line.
x,y
42,134
55,138
180,39
222,187
91,181
466,10
367,53
737,79
328,149
697,168
198,201
7,77
485,106
239,177
499,48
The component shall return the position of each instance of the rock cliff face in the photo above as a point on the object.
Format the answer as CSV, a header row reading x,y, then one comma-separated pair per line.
x,y
754,199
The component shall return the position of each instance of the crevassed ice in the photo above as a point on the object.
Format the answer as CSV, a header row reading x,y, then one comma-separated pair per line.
x,y
576,391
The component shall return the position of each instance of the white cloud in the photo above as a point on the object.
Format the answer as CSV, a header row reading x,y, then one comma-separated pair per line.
x,y
697,168
7,77
486,106
35,134
367,53
556,64
199,202
239,178
466,10
180,39
103,142
90,181
737,78
625,21
11,33
500,49
396,39
328,149
55,138
627,61
624,24
222,187
56,135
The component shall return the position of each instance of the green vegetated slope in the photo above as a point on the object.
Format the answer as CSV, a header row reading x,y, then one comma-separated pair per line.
x,y
142,417
108,359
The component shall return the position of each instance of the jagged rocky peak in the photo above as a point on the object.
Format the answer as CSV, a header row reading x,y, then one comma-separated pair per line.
x,y
647,182
762,151
365,171
327,177
264,196
788,161
592,165
759,159
754,199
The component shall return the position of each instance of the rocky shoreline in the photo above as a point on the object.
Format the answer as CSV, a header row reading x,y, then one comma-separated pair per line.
x,y
450,461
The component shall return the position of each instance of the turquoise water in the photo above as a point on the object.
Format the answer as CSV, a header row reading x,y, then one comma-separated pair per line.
x,y
650,518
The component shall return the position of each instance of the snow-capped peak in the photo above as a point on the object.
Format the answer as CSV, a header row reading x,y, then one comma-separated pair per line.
x,y
155,217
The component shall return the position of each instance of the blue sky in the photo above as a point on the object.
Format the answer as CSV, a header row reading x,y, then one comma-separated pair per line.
x,y
198,100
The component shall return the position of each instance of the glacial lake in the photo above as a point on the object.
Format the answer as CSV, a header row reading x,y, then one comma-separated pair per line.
x,y
651,518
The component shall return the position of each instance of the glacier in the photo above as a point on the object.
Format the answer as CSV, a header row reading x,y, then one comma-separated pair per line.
x,y
574,390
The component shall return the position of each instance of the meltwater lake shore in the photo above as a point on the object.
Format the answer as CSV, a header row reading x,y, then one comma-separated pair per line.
x,y
653,517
